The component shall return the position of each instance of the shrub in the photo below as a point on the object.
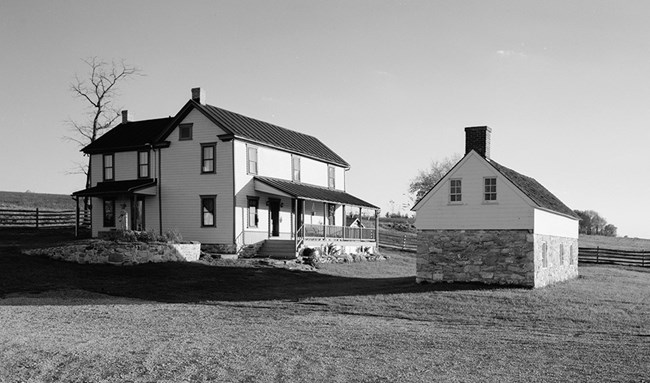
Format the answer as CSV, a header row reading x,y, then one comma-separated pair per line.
x,y
173,235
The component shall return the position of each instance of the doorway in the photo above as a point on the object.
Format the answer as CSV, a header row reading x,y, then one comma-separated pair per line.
x,y
138,216
274,217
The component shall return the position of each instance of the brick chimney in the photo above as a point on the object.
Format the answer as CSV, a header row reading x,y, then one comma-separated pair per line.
x,y
198,95
125,116
478,138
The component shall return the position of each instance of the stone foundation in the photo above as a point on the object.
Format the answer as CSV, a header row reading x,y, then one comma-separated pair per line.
x,y
558,268
512,257
486,256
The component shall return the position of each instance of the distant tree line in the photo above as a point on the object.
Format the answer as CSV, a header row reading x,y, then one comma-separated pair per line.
x,y
592,223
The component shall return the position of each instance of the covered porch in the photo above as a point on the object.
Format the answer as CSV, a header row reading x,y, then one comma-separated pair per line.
x,y
317,214
120,204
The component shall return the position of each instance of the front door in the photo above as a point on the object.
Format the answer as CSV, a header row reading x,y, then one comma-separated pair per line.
x,y
274,221
138,223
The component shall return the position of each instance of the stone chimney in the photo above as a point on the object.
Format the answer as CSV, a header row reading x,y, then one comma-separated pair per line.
x,y
198,95
477,138
125,116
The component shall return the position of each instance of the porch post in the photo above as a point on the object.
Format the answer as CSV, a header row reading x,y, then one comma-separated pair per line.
x,y
325,216
377,228
76,226
294,223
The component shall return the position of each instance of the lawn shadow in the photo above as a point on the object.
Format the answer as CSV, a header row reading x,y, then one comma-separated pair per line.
x,y
176,282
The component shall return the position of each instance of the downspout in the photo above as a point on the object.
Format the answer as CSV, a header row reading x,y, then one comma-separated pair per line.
x,y
160,211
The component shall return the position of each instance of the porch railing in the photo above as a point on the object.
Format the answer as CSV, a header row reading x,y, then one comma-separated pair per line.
x,y
338,232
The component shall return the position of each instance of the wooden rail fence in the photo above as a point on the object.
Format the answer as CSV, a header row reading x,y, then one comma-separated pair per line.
x,y
614,256
404,242
37,218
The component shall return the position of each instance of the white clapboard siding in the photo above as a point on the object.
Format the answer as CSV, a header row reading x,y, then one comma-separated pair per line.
x,y
512,210
548,223
183,184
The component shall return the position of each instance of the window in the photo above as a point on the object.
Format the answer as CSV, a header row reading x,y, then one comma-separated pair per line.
x,y
253,206
331,177
455,191
561,253
208,213
544,255
109,212
490,189
571,260
295,168
208,158
184,132
252,160
143,164
109,170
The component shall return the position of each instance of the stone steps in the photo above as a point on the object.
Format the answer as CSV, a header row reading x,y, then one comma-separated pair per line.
x,y
278,249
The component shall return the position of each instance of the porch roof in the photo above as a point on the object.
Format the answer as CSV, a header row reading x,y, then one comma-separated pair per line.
x,y
310,192
139,186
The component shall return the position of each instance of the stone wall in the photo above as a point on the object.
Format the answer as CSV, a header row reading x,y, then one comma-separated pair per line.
x,y
121,253
558,268
487,256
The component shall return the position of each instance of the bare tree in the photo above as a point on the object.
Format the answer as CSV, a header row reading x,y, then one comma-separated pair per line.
x,y
98,90
426,179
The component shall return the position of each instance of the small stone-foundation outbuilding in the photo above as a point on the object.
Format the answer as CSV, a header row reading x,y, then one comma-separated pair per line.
x,y
483,222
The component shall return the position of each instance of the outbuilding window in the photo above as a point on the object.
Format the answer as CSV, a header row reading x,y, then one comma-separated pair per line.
x,y
544,255
490,189
561,253
455,190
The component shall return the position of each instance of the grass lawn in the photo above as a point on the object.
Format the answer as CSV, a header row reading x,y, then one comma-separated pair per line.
x,y
362,322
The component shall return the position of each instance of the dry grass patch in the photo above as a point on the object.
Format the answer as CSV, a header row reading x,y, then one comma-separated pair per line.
x,y
361,322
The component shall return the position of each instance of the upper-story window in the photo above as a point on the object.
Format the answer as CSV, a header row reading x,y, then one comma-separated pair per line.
x,y
184,132
295,168
490,191
251,154
331,177
208,157
455,190
109,167
143,164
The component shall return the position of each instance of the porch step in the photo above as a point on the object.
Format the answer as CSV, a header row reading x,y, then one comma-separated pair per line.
x,y
278,249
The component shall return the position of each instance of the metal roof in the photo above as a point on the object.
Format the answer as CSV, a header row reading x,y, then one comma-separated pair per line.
x,y
116,187
131,135
315,193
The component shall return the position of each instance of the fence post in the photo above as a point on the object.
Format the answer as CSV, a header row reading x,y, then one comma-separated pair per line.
x,y
404,242
597,253
37,218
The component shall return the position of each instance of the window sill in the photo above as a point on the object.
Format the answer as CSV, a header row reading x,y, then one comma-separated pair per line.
x,y
455,203
490,203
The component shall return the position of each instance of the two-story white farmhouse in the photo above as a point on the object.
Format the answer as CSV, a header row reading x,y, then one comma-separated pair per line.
x,y
219,177
483,222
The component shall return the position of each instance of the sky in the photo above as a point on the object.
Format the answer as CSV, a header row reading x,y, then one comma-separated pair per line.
x,y
388,85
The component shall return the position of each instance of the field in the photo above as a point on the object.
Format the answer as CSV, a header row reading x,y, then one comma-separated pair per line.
x,y
366,322
20,200
619,243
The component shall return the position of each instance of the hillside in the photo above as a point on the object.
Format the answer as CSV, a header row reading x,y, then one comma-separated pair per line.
x,y
620,243
21,200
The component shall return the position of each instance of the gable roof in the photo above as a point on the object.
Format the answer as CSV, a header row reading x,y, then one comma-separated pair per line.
x,y
312,192
537,193
264,133
131,135
534,190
